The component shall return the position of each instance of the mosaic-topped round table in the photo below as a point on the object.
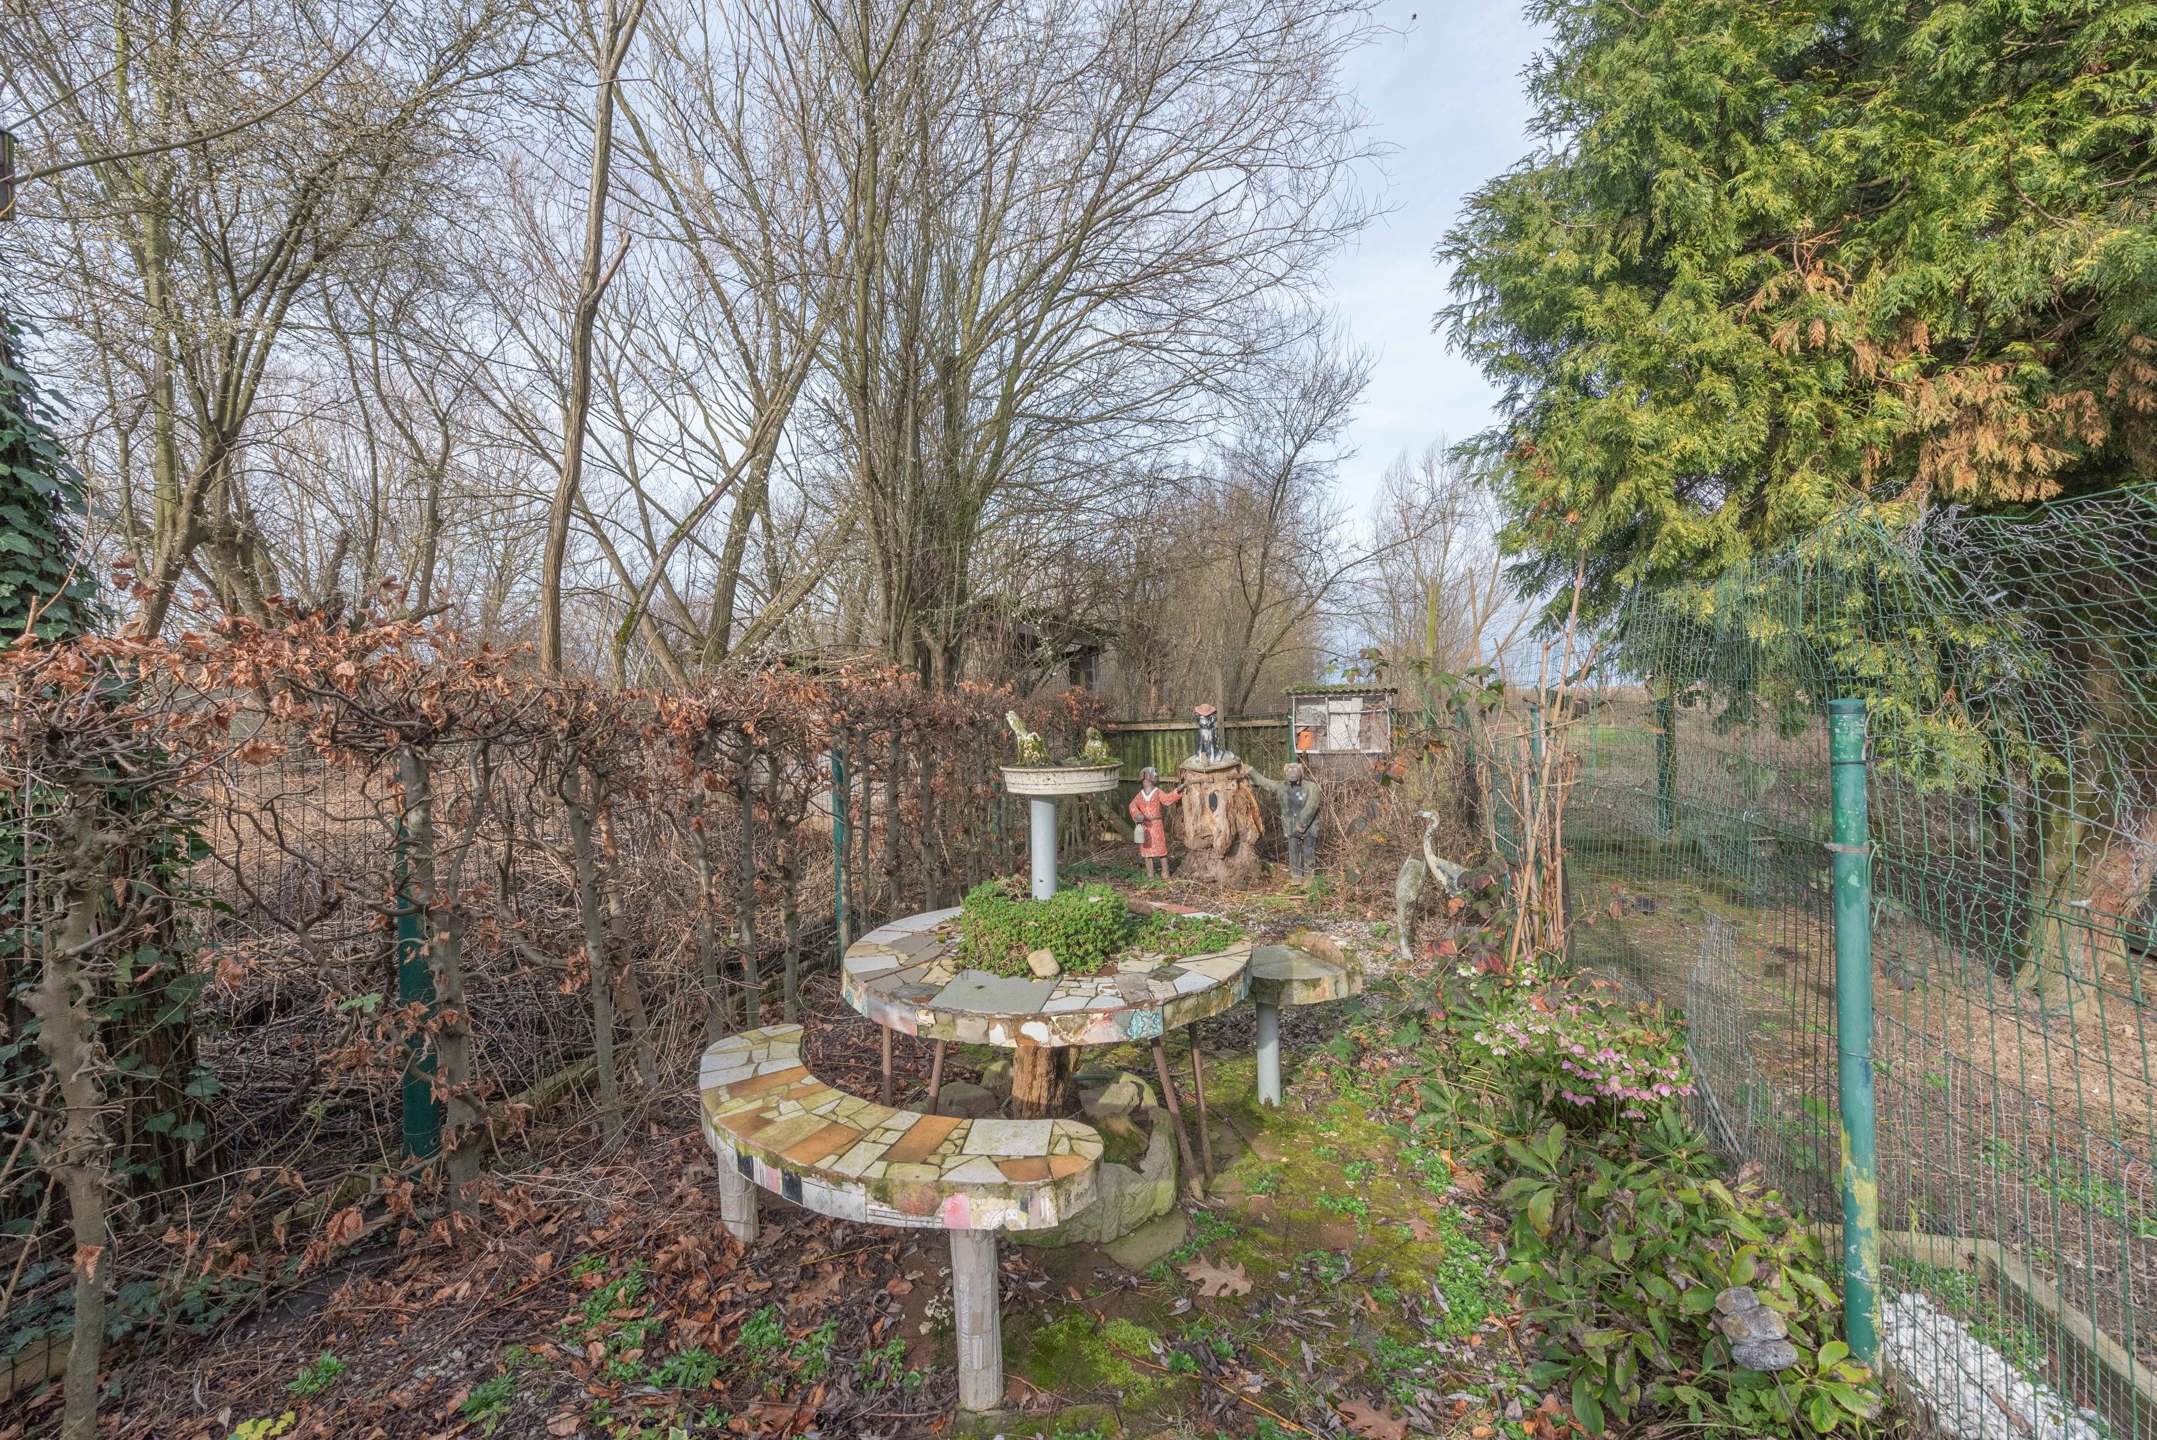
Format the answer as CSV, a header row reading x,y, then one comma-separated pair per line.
x,y
907,977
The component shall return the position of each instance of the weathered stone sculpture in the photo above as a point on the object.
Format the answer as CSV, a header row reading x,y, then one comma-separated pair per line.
x,y
1301,800
1095,751
1031,749
1408,888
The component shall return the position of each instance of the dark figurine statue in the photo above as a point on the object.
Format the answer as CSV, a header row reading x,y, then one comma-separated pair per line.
x,y
1210,750
1301,801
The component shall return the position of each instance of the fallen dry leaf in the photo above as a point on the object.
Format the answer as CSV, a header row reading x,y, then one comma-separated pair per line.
x,y
563,1424
1216,1280
1373,1423
1422,1229
346,1226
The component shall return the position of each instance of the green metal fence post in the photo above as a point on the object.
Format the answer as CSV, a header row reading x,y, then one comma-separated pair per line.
x,y
415,982
1853,1030
840,797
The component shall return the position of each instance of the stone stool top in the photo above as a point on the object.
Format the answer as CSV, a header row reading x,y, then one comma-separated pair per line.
x,y
906,976
1291,974
780,1126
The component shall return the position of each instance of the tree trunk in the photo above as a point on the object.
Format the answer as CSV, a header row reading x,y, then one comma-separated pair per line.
x,y
2091,886
790,922
585,858
621,975
615,33
1038,1077
80,1162
745,886
930,836
1222,825
462,1115
718,1013
894,763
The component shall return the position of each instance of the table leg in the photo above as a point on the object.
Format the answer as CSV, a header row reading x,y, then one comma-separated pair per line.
x,y
887,1063
1269,1054
1192,1179
936,1074
1198,1090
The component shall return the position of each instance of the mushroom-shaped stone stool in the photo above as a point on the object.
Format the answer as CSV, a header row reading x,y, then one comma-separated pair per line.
x,y
1306,969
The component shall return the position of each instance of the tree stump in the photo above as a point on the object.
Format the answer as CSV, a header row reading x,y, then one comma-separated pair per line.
x,y
1222,823
1038,1077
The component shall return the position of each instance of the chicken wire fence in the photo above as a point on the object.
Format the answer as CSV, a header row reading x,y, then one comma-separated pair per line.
x,y
2009,669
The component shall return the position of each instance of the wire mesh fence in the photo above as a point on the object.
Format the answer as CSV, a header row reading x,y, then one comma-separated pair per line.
x,y
2010,672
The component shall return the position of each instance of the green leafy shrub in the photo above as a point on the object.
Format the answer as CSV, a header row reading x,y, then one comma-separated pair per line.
x,y
1086,927
1619,1252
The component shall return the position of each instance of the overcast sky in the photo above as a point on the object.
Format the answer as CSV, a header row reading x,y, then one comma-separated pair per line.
x,y
1444,91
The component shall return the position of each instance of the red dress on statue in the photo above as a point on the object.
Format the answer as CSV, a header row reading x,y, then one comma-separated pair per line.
x,y
1148,810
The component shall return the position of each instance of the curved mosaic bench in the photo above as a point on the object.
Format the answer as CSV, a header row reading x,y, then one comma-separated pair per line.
x,y
1310,973
773,1124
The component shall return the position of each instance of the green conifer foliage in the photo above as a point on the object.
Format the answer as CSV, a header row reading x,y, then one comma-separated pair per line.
x,y
1770,259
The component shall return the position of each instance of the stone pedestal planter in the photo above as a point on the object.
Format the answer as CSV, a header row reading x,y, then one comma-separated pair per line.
x,y
1125,1196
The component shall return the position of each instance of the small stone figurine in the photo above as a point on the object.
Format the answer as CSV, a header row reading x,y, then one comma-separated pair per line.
x,y
1148,807
1210,749
1301,800
1031,750
1095,751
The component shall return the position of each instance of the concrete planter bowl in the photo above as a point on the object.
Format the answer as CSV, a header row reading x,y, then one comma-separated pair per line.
x,y
1047,782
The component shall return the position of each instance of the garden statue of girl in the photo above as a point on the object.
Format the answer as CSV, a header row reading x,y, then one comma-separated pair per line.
x,y
1148,807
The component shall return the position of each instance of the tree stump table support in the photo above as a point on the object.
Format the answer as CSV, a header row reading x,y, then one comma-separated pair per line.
x,y
1038,1074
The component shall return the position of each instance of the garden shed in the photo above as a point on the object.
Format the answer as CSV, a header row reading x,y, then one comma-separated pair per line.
x,y
1325,720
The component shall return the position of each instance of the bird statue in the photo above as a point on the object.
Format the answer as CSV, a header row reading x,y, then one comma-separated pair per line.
x,y
1096,751
1408,888
1031,750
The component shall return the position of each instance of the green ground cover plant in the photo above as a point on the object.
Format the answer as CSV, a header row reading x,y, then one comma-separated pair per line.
x,y
1086,927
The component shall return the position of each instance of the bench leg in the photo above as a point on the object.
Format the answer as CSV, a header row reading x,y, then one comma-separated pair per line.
x,y
1269,1055
974,1307
737,1200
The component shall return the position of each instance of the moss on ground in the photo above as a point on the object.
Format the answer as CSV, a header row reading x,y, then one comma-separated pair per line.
x,y
1367,1280
1079,1355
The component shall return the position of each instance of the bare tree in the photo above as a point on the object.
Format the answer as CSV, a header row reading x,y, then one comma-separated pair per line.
x,y
1062,224
1438,590
209,167
609,44
1280,556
